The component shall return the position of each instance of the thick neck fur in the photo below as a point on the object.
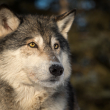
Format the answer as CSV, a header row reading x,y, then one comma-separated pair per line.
x,y
28,95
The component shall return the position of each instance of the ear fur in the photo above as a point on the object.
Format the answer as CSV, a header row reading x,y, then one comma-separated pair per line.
x,y
65,21
8,21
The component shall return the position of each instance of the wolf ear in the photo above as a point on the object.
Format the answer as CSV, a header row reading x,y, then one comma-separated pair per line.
x,y
65,21
8,21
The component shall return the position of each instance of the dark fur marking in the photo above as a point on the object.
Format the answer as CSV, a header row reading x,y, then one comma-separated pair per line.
x,y
9,93
60,17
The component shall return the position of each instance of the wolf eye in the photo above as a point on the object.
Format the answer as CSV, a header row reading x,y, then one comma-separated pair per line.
x,y
56,46
33,45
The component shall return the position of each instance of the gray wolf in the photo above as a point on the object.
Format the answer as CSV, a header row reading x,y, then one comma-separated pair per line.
x,y
35,62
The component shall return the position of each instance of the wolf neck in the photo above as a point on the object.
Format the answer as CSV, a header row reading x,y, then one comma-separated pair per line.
x,y
31,96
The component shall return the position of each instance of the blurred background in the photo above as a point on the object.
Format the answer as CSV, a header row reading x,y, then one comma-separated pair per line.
x,y
89,40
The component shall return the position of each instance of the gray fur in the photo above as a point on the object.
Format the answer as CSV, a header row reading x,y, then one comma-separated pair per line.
x,y
26,93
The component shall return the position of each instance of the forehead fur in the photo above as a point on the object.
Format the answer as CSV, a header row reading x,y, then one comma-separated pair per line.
x,y
37,24
31,26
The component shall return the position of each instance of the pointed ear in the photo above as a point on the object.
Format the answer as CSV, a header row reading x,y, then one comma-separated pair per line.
x,y
65,21
8,21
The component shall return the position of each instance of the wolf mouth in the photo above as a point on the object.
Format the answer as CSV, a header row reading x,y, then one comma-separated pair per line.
x,y
52,80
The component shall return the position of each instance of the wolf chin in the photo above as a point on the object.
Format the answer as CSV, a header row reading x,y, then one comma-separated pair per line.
x,y
35,62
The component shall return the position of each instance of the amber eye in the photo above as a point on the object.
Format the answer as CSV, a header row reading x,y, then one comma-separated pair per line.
x,y
32,45
56,46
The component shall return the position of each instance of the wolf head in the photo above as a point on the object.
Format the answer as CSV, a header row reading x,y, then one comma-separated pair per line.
x,y
34,49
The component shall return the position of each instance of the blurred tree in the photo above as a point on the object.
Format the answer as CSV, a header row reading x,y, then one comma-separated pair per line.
x,y
64,6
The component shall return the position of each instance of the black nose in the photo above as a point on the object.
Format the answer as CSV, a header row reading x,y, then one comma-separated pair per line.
x,y
56,70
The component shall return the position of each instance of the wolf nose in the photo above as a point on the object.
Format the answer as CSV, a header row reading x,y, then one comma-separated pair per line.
x,y
56,70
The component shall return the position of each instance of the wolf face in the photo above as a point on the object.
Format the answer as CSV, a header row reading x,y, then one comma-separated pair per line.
x,y
34,49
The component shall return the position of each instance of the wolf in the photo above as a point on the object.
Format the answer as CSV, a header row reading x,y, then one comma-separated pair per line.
x,y
35,63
